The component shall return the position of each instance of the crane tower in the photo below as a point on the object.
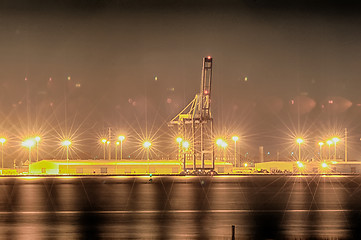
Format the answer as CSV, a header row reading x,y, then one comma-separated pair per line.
x,y
195,125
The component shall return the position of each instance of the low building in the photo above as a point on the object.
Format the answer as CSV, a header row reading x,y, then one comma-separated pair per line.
x,y
126,167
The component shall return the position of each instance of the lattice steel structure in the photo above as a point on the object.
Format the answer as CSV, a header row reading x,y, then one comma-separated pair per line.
x,y
195,124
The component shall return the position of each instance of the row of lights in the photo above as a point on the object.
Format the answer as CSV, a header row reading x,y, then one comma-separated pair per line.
x,y
29,143
334,140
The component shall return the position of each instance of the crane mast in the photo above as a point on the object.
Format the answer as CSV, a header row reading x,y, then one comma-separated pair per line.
x,y
195,124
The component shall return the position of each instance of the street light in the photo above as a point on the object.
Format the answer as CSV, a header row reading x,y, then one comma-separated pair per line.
x,y
179,141
335,140
329,142
29,143
147,145
121,138
2,140
67,143
37,139
299,141
321,144
235,139
104,142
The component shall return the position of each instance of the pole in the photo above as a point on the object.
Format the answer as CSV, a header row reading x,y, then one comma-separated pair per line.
x,y
235,153
104,151
29,156
121,150
345,144
233,232
335,151
67,159
299,151
321,152
2,155
116,152
37,151
116,157
148,159
329,151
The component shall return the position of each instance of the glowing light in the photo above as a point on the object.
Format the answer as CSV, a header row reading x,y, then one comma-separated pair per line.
x,y
108,142
121,138
2,140
104,140
324,165
224,145
300,165
28,143
219,142
66,143
235,138
299,140
147,144
185,144
209,57
245,165
179,139
329,142
118,143
335,139
320,143
37,138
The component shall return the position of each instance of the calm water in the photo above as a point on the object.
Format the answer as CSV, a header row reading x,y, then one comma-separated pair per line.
x,y
261,207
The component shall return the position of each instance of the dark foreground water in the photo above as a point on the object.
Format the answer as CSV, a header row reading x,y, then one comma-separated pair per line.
x,y
261,207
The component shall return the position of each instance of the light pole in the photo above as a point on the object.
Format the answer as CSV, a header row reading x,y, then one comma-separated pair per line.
x,y
116,157
329,142
321,144
67,143
299,141
235,139
335,140
179,141
224,146
104,141
185,145
108,146
121,138
219,142
2,140
37,139
29,143
147,145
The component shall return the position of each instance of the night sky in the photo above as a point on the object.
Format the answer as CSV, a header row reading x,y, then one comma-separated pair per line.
x,y
280,71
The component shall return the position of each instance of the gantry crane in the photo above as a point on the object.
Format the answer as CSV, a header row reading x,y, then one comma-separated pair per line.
x,y
195,124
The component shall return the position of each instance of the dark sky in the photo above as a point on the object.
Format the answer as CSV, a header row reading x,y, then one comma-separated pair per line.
x,y
301,61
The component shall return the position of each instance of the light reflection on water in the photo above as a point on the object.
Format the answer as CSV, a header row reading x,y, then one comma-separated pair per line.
x,y
261,207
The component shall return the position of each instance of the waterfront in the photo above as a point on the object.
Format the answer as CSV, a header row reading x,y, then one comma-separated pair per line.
x,y
261,207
